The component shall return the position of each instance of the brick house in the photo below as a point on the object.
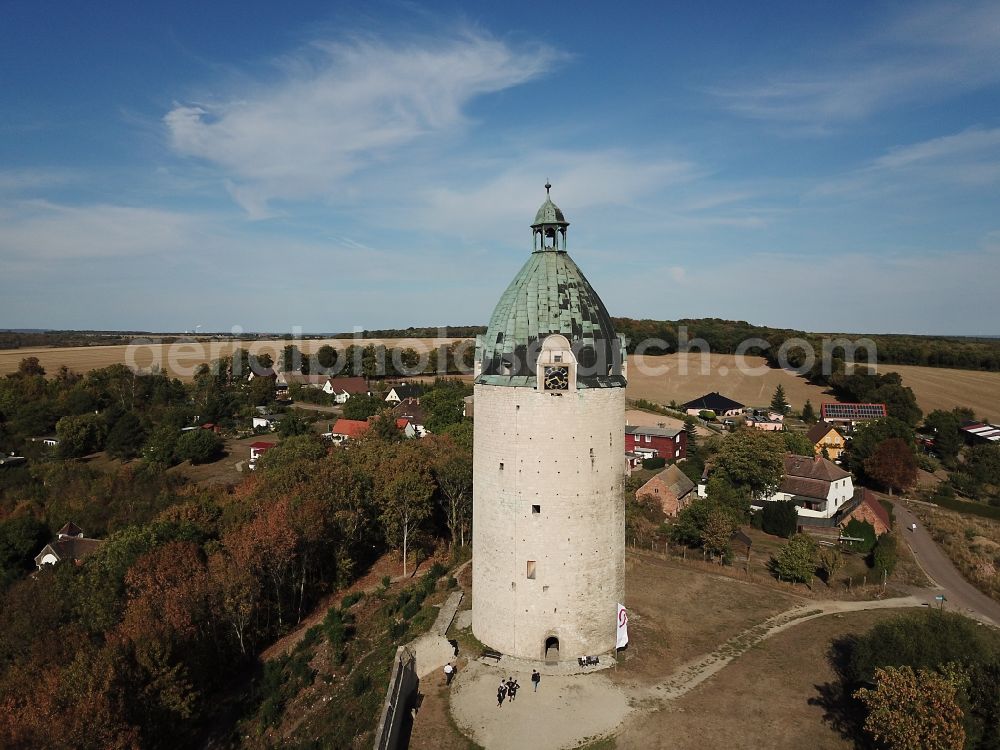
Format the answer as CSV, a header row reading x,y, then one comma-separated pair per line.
x,y
671,487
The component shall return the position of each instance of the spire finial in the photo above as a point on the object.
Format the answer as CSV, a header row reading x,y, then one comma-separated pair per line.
x,y
548,186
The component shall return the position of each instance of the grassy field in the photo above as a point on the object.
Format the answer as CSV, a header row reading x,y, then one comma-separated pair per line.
x,y
181,359
780,694
682,377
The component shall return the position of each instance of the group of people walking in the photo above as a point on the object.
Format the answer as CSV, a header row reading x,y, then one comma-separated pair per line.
x,y
507,690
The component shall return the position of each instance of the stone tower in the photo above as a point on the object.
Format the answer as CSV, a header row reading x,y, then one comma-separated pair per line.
x,y
549,465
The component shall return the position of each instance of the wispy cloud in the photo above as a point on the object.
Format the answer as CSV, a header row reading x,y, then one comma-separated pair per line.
x,y
931,52
27,180
42,231
339,107
968,158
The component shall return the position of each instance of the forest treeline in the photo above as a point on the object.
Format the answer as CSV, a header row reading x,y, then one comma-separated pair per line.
x,y
724,336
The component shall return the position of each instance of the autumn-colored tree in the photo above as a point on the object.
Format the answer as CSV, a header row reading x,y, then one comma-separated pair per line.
x,y
719,528
831,561
893,464
910,710
404,486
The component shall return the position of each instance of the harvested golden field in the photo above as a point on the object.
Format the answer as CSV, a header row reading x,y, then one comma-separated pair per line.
x,y
181,359
682,377
943,388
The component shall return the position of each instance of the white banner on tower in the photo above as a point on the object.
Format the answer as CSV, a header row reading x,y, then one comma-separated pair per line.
x,y
622,626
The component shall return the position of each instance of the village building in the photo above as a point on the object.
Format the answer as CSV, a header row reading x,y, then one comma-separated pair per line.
x,y
403,391
549,461
344,387
868,508
348,429
714,402
257,450
468,407
411,410
826,440
70,544
981,432
665,442
671,488
266,421
817,486
766,424
850,415
265,372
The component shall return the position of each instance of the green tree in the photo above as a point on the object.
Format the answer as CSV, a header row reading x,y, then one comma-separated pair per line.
x,y
910,710
20,539
260,391
779,403
796,561
867,437
126,437
198,446
362,406
161,445
291,359
808,413
893,465
798,443
885,554
780,517
30,367
384,428
752,460
80,435
690,427
294,424
403,488
326,357
860,530
944,426
443,406
451,463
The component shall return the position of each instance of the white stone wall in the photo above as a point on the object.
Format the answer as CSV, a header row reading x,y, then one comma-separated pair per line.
x,y
566,454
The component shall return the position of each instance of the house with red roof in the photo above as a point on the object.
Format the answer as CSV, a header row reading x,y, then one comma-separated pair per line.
x,y
258,449
348,429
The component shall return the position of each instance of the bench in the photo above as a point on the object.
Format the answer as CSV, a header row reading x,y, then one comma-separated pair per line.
x,y
489,653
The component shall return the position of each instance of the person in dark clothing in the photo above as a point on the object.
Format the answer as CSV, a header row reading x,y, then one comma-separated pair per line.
x,y
501,693
535,678
512,688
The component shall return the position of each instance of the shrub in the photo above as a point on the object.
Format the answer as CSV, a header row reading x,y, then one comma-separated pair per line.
x,y
351,599
410,609
198,446
885,554
397,630
707,414
860,530
654,463
360,683
436,571
780,518
452,582
796,561
386,582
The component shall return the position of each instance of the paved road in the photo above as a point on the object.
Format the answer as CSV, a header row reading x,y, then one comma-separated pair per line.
x,y
961,595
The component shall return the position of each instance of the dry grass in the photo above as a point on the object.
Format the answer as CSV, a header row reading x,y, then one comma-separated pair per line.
x,y
773,696
682,377
972,543
181,359
677,613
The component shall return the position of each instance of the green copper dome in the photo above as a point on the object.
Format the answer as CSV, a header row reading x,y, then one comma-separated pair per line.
x,y
550,295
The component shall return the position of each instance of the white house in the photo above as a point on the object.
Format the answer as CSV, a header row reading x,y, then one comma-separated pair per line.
x,y
817,486
403,391
343,388
410,410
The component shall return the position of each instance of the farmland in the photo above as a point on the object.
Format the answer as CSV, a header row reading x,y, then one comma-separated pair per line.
x,y
181,359
682,377
673,377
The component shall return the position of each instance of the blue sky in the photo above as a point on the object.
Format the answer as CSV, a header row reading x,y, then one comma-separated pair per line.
x,y
827,166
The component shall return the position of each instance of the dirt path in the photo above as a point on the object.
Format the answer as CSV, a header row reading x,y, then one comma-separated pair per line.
x,y
696,671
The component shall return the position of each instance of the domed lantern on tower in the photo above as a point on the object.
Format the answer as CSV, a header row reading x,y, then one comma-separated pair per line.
x,y
549,461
